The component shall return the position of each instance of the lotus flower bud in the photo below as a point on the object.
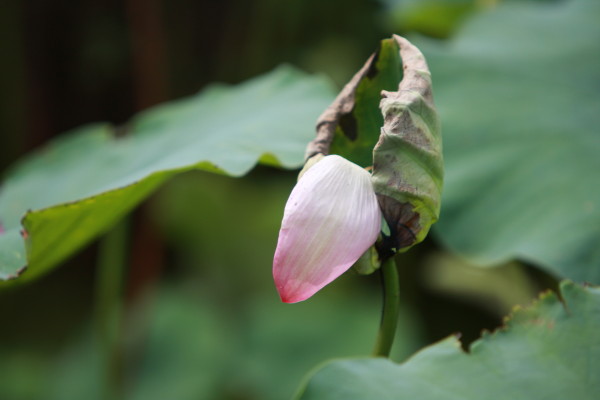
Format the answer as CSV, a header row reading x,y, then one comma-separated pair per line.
x,y
331,218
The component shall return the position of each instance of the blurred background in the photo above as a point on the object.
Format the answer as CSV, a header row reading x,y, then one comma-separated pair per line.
x,y
201,317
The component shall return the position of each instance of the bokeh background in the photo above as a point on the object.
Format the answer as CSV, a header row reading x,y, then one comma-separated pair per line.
x,y
201,318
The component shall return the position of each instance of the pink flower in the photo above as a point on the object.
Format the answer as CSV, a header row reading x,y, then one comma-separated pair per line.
x,y
330,220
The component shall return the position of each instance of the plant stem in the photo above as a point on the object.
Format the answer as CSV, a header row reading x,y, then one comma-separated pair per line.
x,y
109,293
391,307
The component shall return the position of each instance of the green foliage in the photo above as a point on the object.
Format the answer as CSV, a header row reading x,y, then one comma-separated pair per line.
x,y
517,94
78,186
549,350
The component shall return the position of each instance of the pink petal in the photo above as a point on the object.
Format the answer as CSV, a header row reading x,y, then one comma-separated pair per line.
x,y
330,220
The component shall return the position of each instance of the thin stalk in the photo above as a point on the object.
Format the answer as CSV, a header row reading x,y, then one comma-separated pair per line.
x,y
391,307
109,294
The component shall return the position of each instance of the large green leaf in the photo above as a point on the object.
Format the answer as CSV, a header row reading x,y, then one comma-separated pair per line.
x,y
519,96
548,351
78,186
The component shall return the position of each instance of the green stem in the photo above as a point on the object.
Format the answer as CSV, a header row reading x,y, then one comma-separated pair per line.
x,y
391,307
109,292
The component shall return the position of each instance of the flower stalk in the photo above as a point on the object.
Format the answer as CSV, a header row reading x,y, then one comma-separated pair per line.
x,y
108,291
390,310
